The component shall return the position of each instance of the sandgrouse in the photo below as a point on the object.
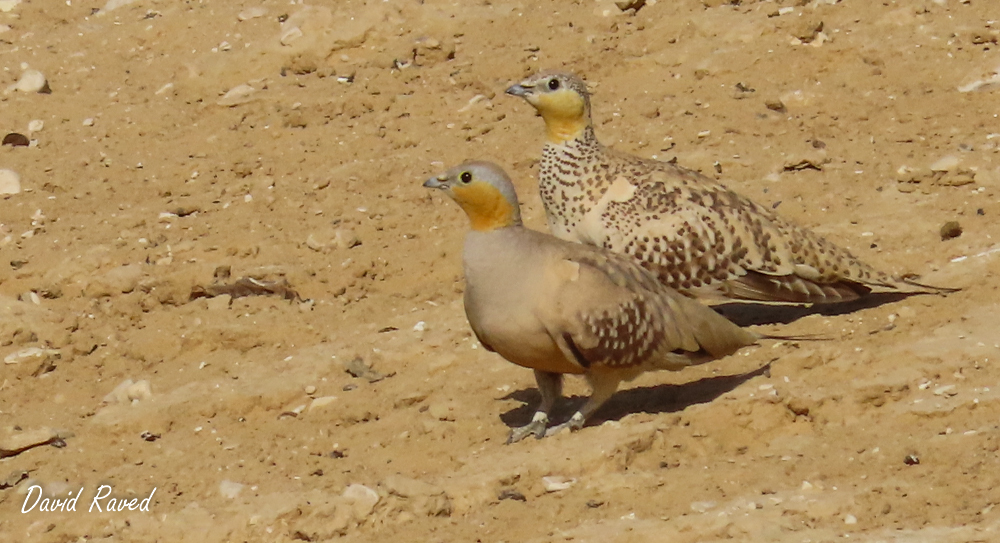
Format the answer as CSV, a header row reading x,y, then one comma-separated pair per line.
x,y
559,307
693,233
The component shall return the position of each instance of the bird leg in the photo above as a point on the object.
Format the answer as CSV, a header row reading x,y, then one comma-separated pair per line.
x,y
550,387
604,386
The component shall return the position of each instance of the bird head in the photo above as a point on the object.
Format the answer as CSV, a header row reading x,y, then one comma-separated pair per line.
x,y
563,101
483,191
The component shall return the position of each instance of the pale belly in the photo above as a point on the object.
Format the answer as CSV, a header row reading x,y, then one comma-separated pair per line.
x,y
534,350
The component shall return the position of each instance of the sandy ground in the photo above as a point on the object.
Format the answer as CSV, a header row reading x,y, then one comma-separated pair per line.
x,y
183,141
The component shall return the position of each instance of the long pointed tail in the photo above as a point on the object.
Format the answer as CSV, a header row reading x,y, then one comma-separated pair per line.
x,y
926,289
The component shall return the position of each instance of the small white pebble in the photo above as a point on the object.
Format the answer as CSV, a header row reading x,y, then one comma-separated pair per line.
x,y
555,483
10,182
947,389
31,81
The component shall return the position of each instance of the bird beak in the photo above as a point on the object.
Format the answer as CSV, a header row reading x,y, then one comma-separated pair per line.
x,y
517,90
434,183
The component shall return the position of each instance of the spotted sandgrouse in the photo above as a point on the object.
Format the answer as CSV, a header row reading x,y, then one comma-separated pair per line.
x,y
693,233
559,307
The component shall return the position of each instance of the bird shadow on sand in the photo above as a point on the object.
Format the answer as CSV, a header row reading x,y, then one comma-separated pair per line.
x,y
652,399
751,314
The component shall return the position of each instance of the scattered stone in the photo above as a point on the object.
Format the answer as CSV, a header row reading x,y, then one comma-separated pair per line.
x,y
424,498
112,5
339,239
230,489
948,390
15,139
807,31
32,81
805,163
945,164
252,13
315,244
36,125
13,479
626,5
931,409
556,483
345,238
321,402
358,369
702,507
120,280
442,411
911,460
6,6
31,354
129,392
956,178
15,443
906,174
290,34
410,398
237,95
950,230
361,499
222,273
511,494
246,286
776,105
990,83
429,51
319,30
10,182
850,519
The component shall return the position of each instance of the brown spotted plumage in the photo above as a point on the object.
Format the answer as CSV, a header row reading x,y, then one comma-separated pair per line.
x,y
559,307
693,233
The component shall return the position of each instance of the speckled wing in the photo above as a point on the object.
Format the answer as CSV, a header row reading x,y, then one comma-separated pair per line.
x,y
705,240
613,313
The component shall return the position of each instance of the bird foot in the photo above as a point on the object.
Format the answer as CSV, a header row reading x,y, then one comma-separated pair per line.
x,y
534,428
573,424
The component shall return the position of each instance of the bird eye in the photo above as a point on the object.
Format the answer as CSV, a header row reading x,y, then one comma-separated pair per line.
x,y
553,84
465,177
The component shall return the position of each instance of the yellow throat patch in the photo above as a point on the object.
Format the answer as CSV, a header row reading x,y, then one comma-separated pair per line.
x,y
485,205
565,115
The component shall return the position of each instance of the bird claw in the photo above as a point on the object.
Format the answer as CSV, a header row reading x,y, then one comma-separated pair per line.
x,y
534,428
573,424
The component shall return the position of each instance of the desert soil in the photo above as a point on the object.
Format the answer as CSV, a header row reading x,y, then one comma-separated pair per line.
x,y
287,142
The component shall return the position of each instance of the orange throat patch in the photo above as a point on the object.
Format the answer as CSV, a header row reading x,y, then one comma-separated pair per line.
x,y
486,207
559,130
565,113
